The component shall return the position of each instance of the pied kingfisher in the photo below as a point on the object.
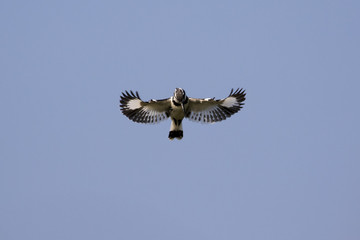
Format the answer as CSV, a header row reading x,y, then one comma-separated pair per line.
x,y
178,106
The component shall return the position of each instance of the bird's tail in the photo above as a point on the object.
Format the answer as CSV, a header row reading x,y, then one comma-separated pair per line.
x,y
176,130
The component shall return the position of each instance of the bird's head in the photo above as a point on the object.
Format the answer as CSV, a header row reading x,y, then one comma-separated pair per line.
x,y
180,95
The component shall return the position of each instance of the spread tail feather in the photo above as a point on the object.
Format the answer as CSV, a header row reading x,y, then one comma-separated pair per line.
x,y
176,134
176,130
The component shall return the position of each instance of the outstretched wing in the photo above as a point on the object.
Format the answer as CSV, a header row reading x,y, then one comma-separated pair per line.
x,y
211,110
137,110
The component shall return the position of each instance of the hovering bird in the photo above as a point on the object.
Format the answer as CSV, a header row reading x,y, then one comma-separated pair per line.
x,y
180,106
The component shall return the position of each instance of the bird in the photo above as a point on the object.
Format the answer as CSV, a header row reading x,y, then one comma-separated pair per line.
x,y
180,106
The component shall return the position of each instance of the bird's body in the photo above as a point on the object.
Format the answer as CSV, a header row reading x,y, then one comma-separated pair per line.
x,y
179,103
180,106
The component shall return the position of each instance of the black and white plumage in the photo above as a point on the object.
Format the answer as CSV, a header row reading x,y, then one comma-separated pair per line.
x,y
180,106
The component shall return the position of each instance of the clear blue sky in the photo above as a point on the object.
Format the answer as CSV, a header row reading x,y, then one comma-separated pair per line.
x,y
285,167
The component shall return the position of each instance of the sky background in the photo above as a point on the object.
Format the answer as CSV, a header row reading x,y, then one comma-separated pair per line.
x,y
285,167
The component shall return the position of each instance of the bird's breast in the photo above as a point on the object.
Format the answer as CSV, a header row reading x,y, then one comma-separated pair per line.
x,y
177,112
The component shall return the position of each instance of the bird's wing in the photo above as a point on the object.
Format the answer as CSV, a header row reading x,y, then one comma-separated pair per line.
x,y
211,110
137,110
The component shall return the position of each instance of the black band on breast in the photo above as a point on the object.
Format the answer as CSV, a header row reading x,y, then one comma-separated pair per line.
x,y
179,104
175,103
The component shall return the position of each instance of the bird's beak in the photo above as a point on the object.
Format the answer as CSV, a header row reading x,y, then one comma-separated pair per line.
x,y
182,105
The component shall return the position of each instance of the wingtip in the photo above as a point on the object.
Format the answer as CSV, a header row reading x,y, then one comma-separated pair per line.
x,y
238,91
129,94
231,91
